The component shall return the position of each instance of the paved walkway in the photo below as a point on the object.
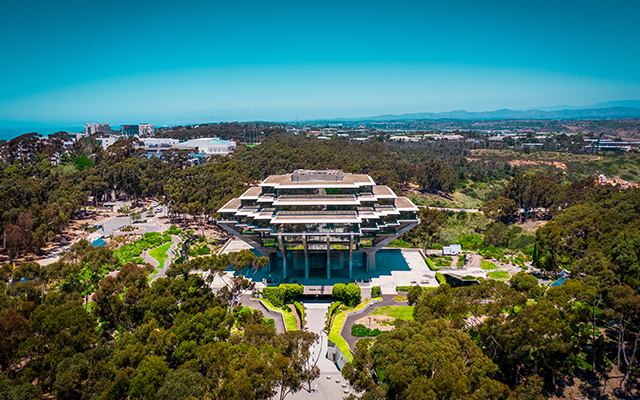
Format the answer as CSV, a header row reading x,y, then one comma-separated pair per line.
x,y
330,382
171,252
418,273
387,300
276,317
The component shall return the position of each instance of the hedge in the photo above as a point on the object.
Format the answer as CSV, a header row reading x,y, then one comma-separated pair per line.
x,y
282,294
332,310
274,295
375,291
440,278
349,294
300,308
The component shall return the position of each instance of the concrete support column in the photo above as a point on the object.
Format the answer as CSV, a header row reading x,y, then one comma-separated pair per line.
x,y
351,257
371,262
284,257
306,257
328,259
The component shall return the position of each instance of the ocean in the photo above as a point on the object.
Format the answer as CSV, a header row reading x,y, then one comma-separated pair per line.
x,y
10,133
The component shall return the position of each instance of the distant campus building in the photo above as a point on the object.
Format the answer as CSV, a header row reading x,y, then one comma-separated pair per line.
x,y
203,147
138,130
319,223
92,128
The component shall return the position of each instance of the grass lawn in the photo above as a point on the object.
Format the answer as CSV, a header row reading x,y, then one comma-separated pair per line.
x,y
498,275
397,312
486,265
338,322
160,253
289,319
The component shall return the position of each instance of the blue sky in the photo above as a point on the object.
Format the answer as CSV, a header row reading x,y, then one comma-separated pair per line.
x,y
169,62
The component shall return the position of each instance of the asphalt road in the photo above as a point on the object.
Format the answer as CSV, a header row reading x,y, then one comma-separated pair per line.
x,y
276,317
387,300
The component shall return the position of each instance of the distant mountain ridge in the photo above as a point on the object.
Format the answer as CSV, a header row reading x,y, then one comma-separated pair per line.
x,y
589,113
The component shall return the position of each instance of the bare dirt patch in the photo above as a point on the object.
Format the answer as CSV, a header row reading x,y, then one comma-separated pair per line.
x,y
530,226
381,322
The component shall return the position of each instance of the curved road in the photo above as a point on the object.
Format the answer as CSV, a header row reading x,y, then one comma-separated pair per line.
x,y
276,317
387,300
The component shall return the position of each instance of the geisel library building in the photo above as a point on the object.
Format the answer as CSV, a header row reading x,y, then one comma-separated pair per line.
x,y
317,224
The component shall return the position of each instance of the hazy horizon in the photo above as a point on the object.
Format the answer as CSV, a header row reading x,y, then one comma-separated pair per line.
x,y
210,62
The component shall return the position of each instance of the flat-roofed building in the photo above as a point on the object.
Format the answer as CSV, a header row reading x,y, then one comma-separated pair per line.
x,y
92,128
210,146
319,223
138,130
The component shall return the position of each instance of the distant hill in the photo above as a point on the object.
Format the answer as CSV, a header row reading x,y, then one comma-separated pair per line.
x,y
589,113
606,104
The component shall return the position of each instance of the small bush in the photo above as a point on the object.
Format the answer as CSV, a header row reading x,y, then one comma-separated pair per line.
x,y
204,250
360,330
440,278
286,308
282,294
349,294
274,295
375,291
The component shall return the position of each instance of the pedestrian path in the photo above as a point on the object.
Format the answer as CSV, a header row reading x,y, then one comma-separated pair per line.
x,y
330,383
162,272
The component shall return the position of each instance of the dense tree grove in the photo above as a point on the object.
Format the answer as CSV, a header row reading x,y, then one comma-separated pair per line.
x,y
170,340
70,331
532,336
43,186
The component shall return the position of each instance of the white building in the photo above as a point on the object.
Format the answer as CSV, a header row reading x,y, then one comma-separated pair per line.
x,y
210,146
452,250
146,130
159,145
93,128
106,141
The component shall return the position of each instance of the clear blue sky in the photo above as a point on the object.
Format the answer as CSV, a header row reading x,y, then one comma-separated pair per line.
x,y
170,62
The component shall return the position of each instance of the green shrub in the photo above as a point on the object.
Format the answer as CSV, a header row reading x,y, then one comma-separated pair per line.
x,y
440,278
375,291
285,293
138,260
290,291
300,308
471,242
204,250
349,294
286,308
274,295
173,230
333,308
360,330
